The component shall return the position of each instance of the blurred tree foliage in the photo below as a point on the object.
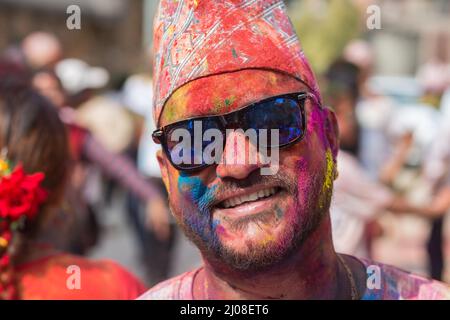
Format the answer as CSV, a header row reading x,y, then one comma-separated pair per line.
x,y
324,28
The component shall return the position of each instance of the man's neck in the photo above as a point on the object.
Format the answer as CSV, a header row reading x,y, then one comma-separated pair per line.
x,y
314,272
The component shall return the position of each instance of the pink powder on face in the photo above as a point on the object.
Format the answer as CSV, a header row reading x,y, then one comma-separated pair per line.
x,y
316,120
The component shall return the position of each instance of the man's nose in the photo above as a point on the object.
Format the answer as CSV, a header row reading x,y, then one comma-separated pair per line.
x,y
240,156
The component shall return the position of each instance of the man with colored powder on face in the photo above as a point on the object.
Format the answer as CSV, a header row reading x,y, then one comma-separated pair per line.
x,y
260,236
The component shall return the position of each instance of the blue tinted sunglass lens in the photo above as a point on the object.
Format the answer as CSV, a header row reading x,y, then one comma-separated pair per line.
x,y
281,114
187,141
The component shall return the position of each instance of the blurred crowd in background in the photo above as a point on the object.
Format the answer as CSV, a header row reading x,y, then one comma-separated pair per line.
x,y
389,87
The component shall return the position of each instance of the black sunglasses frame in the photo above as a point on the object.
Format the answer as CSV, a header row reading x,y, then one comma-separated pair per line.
x,y
159,135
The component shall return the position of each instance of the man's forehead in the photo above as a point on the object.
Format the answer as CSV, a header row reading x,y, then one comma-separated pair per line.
x,y
226,92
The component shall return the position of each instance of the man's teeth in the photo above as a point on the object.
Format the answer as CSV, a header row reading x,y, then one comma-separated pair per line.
x,y
235,201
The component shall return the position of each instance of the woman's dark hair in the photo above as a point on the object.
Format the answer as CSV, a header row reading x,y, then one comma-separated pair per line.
x,y
33,135
32,132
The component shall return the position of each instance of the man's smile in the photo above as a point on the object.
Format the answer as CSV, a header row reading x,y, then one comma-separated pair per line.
x,y
248,201
236,201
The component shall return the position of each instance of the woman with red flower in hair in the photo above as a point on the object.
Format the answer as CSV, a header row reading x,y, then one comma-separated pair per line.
x,y
34,169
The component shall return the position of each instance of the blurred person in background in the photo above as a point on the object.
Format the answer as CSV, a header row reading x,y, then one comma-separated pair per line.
x,y
100,131
372,110
434,74
80,81
415,126
423,140
87,151
436,182
41,50
357,198
35,165
156,229
396,137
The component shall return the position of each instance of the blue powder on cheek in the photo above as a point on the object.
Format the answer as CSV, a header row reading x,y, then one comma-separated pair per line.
x,y
196,190
193,185
279,213
193,189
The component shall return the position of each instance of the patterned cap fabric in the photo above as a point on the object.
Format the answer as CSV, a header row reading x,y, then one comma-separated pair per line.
x,y
199,38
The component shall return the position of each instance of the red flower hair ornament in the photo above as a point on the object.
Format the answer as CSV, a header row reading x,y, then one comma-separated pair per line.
x,y
21,196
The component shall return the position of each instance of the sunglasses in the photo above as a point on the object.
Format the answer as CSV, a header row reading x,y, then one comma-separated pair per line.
x,y
284,113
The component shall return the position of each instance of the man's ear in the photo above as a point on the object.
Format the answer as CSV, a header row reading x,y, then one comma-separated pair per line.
x,y
332,131
163,167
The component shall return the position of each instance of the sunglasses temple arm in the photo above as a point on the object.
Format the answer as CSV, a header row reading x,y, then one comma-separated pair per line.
x,y
314,98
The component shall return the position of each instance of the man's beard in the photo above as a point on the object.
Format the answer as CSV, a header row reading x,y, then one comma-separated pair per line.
x,y
307,213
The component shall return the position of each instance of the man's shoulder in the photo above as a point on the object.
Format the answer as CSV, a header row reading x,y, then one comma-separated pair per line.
x,y
386,282
177,288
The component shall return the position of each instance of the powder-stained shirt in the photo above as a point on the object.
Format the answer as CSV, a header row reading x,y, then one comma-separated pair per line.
x,y
393,284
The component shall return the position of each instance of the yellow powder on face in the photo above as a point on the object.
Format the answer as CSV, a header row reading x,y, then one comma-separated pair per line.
x,y
176,106
274,78
217,105
268,239
253,229
330,166
328,182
